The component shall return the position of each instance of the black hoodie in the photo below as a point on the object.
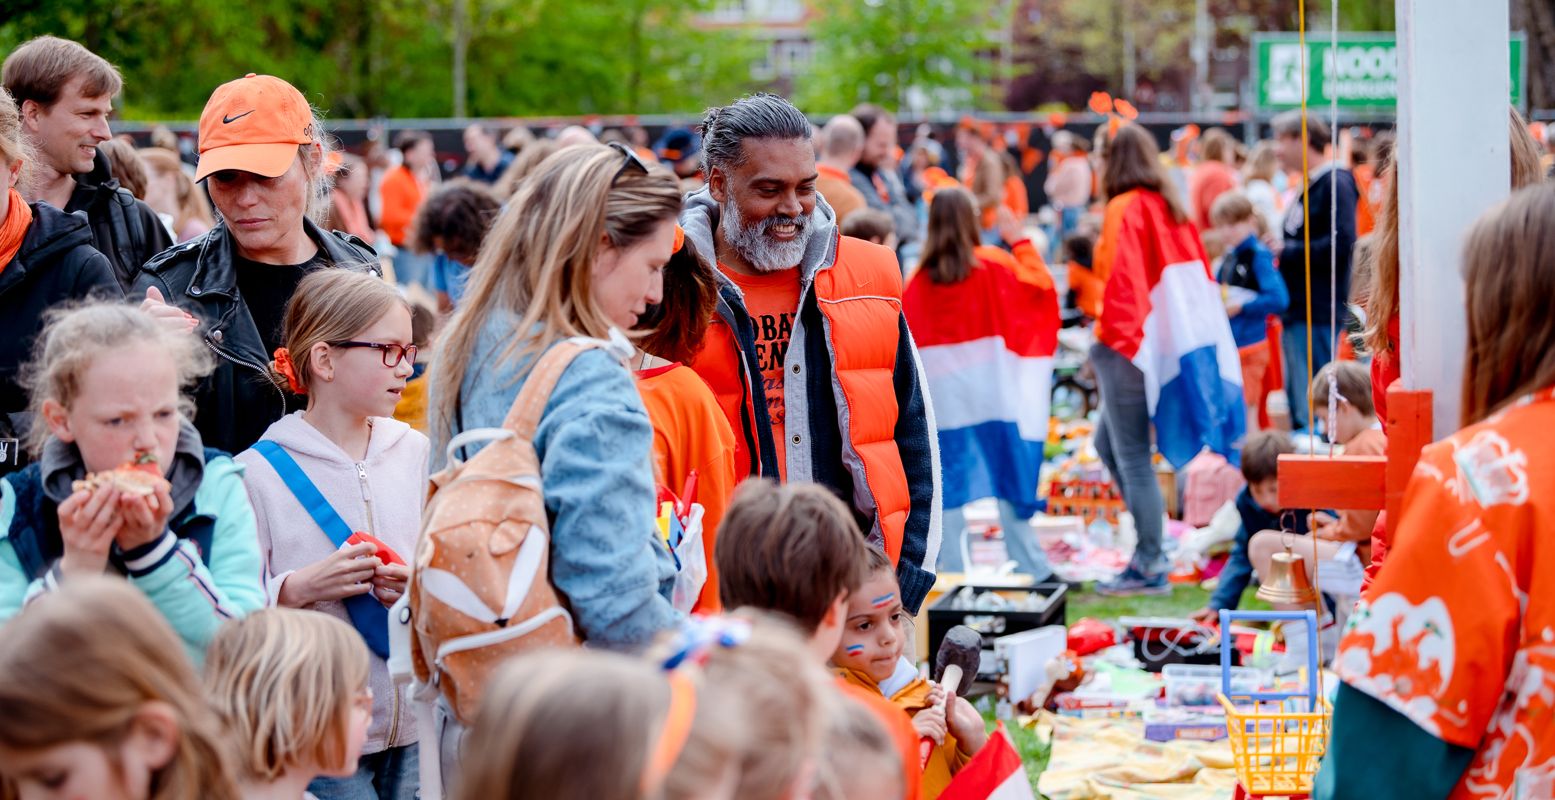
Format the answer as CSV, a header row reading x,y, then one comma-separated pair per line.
x,y
124,229
56,263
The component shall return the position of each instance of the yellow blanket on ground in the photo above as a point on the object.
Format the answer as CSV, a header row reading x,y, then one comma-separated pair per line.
x,y
1110,759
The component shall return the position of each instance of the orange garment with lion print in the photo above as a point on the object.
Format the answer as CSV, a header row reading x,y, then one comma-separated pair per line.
x,y
1458,632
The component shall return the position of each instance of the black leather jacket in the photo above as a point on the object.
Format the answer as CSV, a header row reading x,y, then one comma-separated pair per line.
x,y
239,400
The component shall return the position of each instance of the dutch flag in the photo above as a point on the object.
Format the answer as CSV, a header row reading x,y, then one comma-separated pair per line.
x,y
987,345
1163,311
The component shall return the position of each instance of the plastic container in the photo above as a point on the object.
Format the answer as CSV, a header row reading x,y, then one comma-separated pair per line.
x,y
1197,684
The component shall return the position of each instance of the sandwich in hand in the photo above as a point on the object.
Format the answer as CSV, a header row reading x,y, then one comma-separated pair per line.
x,y
138,477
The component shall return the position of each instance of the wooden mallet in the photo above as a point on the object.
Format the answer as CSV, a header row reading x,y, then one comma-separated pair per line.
x,y
960,656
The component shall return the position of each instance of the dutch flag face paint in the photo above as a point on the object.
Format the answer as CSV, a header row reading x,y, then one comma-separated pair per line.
x,y
855,650
882,601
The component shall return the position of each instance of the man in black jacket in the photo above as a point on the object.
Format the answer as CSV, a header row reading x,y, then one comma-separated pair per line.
x,y
1332,195
65,94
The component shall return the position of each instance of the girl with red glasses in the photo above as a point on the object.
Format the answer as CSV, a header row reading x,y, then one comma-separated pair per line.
x,y
338,488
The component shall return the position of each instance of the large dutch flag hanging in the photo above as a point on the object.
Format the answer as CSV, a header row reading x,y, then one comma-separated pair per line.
x,y
1163,311
987,346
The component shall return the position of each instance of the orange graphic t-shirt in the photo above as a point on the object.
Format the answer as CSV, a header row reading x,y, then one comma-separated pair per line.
x,y
1458,632
772,300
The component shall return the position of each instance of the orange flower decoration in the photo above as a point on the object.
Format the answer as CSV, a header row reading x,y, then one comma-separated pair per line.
x,y
284,367
1126,109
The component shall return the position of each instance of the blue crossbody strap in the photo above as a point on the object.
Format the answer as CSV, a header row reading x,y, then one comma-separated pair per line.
x,y
368,615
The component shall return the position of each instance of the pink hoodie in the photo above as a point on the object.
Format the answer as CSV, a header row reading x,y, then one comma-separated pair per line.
x,y
382,495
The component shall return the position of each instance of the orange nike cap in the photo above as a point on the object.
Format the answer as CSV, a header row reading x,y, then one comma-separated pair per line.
x,y
253,124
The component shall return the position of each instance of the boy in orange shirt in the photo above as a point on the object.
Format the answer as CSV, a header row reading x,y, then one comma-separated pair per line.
x,y
796,550
870,656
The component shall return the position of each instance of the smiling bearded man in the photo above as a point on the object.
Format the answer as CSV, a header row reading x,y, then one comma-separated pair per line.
x,y
809,354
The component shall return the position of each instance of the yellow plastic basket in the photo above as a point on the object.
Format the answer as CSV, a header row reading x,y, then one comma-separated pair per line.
x,y
1276,750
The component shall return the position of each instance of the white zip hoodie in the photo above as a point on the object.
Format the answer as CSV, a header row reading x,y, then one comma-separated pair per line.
x,y
382,495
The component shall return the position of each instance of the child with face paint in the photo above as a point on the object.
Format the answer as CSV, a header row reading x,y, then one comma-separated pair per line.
x,y
870,656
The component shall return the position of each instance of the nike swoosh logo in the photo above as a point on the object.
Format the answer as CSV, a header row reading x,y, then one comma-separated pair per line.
x,y
230,120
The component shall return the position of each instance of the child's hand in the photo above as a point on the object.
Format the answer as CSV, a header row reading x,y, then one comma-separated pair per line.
x,y
1010,229
967,726
1233,308
145,518
347,572
936,695
389,582
1205,616
170,317
88,523
930,722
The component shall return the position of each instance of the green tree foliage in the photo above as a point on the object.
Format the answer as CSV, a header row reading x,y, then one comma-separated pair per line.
x,y
366,58
919,55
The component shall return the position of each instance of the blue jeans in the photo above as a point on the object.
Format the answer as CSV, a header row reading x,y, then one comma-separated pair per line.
x,y
1123,442
392,774
1020,542
1293,343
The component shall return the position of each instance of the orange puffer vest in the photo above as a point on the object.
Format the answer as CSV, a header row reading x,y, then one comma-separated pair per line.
x,y
859,299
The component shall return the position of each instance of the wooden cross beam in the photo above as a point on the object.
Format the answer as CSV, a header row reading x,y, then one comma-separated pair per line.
x,y
1363,483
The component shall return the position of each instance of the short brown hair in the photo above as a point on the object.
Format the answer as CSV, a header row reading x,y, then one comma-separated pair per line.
x,y
459,212
41,68
1232,207
1354,383
869,224
792,549
869,115
1216,144
1289,124
1261,455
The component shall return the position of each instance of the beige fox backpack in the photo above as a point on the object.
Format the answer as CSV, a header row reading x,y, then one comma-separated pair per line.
x,y
480,588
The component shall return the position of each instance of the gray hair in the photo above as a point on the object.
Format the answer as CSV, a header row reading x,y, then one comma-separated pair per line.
x,y
315,161
756,116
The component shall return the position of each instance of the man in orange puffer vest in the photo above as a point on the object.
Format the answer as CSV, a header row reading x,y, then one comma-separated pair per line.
x,y
809,353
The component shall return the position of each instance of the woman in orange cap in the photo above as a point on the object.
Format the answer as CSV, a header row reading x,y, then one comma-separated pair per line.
x,y
262,155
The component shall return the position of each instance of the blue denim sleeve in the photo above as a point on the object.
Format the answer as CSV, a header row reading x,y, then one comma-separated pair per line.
x,y
594,443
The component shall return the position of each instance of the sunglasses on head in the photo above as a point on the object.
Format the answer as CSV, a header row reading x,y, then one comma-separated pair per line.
x,y
632,160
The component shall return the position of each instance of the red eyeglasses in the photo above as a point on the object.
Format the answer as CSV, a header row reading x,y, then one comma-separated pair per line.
x,y
393,354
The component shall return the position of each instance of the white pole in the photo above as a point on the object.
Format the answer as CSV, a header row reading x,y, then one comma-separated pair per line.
x,y
1453,95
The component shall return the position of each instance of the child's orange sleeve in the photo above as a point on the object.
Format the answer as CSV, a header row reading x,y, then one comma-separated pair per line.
x,y
899,725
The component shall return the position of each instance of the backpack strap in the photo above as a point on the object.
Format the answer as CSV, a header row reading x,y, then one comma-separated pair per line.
x,y
368,615
529,406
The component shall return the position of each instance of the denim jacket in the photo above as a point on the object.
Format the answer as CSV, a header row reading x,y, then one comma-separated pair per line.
x,y
595,447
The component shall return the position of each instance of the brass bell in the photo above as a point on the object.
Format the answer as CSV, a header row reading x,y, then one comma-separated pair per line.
x,y
1287,581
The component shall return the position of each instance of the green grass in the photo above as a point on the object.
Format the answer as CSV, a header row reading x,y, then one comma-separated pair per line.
x,y
1184,600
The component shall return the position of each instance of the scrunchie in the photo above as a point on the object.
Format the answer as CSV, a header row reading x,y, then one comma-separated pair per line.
x,y
284,367
680,238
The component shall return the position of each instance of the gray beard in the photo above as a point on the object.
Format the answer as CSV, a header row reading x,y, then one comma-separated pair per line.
x,y
760,251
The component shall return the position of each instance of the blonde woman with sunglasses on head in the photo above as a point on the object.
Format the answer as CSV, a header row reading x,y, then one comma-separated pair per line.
x,y
579,252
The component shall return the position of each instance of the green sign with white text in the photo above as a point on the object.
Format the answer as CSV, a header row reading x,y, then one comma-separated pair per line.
x,y
1362,71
